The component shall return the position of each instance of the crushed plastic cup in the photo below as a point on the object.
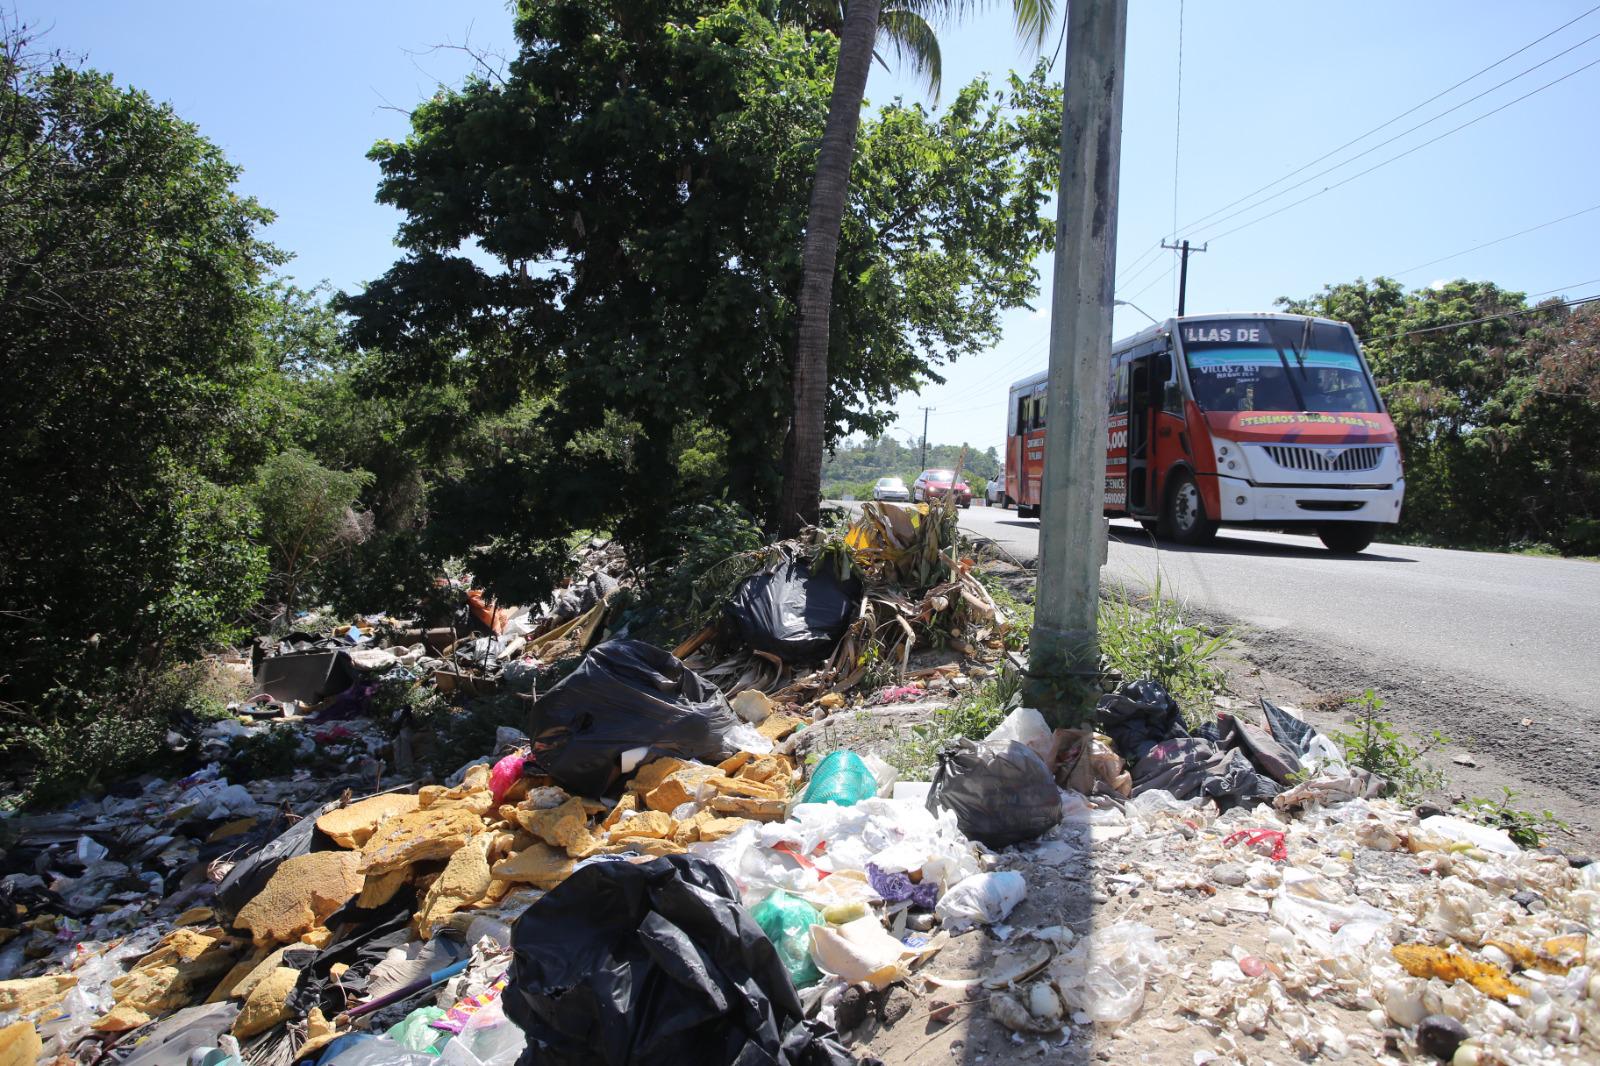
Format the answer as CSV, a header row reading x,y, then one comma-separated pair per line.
x,y
842,778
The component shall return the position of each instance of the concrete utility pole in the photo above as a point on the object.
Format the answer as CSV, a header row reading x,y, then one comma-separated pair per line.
x,y
1183,251
923,462
1063,667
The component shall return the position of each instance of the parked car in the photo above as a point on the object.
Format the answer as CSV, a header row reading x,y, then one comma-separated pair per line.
x,y
890,488
995,494
933,484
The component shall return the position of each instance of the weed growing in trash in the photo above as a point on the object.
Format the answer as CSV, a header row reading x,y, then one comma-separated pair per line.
x,y
974,716
1527,828
274,752
1377,746
1020,629
1155,639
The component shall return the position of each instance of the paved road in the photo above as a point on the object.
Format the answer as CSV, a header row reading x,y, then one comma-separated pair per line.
x,y
1527,623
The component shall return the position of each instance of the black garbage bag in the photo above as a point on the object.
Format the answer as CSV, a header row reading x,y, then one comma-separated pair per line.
x,y
792,613
1275,760
1138,716
1293,733
1001,794
1189,767
626,694
656,963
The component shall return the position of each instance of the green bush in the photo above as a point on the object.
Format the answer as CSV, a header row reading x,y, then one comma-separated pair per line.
x,y
112,725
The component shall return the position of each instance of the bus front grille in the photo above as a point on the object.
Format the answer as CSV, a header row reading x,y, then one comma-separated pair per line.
x,y
1327,460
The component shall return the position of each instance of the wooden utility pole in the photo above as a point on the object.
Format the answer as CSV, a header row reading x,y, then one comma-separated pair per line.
x,y
1183,251
1063,666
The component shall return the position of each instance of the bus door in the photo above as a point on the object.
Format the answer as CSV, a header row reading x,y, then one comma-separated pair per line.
x,y
1141,490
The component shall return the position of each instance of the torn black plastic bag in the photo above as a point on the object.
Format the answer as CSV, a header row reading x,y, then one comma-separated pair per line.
x,y
1189,767
1001,794
658,964
1275,760
626,694
1138,716
792,613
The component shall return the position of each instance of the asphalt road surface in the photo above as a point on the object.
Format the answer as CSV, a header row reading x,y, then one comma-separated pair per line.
x,y
1472,643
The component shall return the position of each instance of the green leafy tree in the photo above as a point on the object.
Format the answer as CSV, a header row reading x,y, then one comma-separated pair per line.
x,y
904,23
1498,422
635,185
130,295
309,517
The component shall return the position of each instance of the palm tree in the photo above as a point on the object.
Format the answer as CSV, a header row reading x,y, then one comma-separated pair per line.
x,y
904,26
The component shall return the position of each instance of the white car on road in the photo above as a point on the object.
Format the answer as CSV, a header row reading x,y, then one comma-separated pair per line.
x,y
891,488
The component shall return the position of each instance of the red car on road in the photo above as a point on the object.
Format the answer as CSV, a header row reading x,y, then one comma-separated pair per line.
x,y
934,484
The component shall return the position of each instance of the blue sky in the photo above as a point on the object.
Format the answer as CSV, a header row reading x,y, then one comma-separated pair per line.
x,y
296,92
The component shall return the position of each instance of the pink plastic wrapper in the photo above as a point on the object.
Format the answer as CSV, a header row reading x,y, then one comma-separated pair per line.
x,y
505,774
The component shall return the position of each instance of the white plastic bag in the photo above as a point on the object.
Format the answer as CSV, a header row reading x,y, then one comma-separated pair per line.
x,y
1105,975
981,899
1027,726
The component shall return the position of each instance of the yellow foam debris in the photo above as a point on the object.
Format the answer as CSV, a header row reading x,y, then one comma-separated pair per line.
x,y
717,828
627,804
184,962
465,881
779,726
1420,960
241,971
680,786
648,824
20,1045
378,889
229,830
643,845
762,810
350,827
566,826
120,1019
652,773
319,937
268,1003
832,701
319,1031
195,916
28,994
419,836
538,864
300,896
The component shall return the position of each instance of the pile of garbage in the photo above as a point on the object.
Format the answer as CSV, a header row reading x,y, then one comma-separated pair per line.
x,y
652,863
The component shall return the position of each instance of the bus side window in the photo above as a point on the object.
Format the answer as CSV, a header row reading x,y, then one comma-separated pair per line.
x,y
1038,411
1022,414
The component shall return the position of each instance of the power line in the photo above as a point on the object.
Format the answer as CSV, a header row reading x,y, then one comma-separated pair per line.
x,y
1368,151
1402,155
1411,110
1497,240
1492,318
1177,127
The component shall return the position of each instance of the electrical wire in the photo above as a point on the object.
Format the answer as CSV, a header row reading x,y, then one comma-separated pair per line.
x,y
1497,240
1177,131
1404,133
1402,155
1389,122
1492,318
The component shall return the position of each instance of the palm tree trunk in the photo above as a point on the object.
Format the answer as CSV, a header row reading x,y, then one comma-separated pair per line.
x,y
802,481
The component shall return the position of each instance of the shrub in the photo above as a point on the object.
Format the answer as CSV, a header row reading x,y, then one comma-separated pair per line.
x,y
1157,640
1377,746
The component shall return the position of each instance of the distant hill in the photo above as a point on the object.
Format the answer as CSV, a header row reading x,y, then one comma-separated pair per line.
x,y
854,466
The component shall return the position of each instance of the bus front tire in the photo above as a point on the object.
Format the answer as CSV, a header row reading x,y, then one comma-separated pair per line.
x,y
1184,519
1347,538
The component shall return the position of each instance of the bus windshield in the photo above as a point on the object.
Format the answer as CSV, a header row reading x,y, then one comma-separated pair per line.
x,y
1275,365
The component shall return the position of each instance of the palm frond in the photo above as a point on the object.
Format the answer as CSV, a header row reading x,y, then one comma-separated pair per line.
x,y
1033,18
914,44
